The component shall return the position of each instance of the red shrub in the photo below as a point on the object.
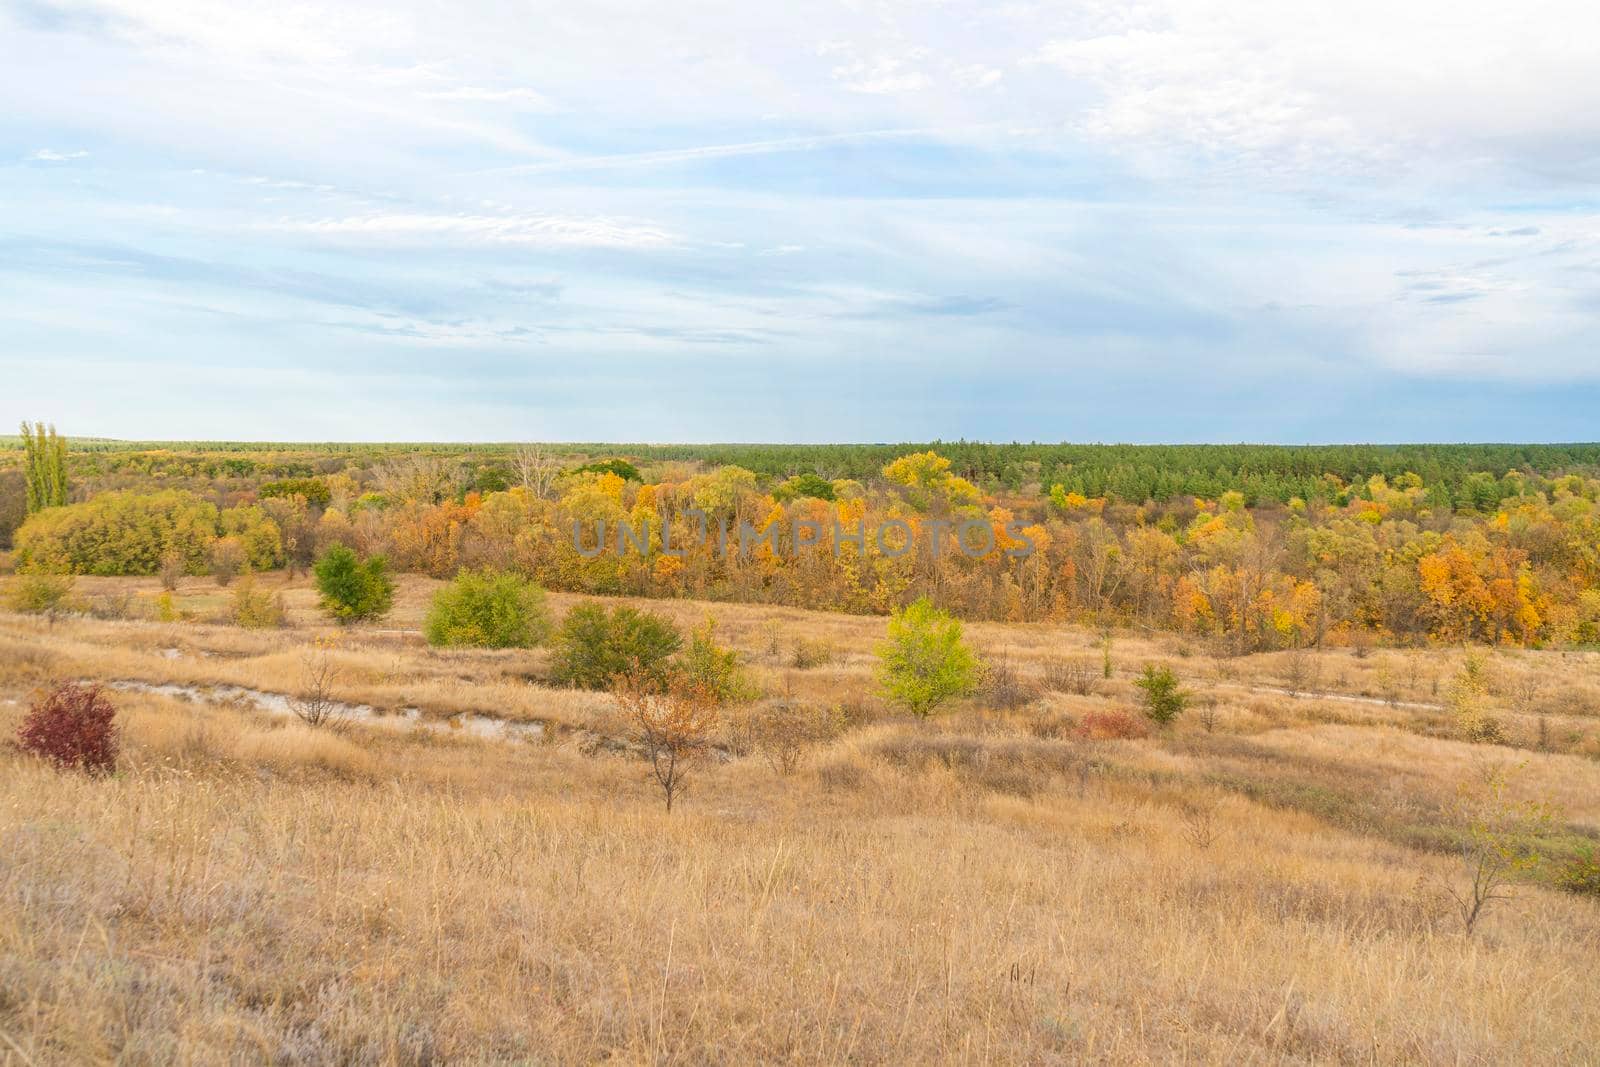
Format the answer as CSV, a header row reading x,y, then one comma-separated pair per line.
x,y
74,726
1113,725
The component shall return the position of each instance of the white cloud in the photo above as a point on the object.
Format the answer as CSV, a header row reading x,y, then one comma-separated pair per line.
x,y
478,94
526,230
47,155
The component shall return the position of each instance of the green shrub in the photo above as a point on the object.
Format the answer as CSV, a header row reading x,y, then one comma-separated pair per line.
x,y
353,590
1164,699
715,670
594,646
254,608
924,662
39,594
488,609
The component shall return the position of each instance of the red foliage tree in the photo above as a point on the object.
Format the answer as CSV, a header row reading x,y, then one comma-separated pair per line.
x,y
74,726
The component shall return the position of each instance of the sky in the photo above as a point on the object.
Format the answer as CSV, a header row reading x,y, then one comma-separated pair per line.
x,y
1177,220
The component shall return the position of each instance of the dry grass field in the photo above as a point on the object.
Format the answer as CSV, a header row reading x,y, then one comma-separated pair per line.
x,y
1260,883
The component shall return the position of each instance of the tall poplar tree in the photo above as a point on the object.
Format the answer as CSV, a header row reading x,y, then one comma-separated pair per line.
x,y
45,466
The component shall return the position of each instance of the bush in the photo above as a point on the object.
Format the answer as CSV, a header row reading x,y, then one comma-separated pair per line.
x,y
488,609
256,609
1164,701
1581,873
595,647
74,726
809,654
39,594
717,671
353,590
924,662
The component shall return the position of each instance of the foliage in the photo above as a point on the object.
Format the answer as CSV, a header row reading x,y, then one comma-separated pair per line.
x,y
44,466
1581,873
1164,699
73,726
488,609
353,589
595,646
38,594
804,485
924,661
314,490
717,671
620,467
254,608
119,533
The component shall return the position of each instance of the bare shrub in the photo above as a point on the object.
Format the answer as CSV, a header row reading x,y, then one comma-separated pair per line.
x,y
1081,677
1199,825
1302,673
173,567
786,731
227,559
315,703
1003,687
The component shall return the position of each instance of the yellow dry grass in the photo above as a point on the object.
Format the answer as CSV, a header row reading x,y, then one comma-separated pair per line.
x,y
981,887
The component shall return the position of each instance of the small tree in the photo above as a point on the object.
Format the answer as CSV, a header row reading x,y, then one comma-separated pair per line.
x,y
254,608
74,726
924,662
1498,837
673,725
488,609
1468,700
719,671
353,590
1164,700
594,647
39,594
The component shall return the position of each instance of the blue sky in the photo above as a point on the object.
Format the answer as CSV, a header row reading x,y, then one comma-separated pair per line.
x,y
1169,221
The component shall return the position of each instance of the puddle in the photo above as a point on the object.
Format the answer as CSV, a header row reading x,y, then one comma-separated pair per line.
x,y
469,724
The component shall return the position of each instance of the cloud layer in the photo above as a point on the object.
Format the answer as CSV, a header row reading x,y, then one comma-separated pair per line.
x,y
1201,220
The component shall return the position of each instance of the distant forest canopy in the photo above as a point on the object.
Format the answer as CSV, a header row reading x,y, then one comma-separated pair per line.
x,y
1457,476
1254,546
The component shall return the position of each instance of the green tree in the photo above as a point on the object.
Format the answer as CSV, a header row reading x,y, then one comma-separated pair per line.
x,y
596,647
45,465
353,589
924,662
488,609
1164,699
